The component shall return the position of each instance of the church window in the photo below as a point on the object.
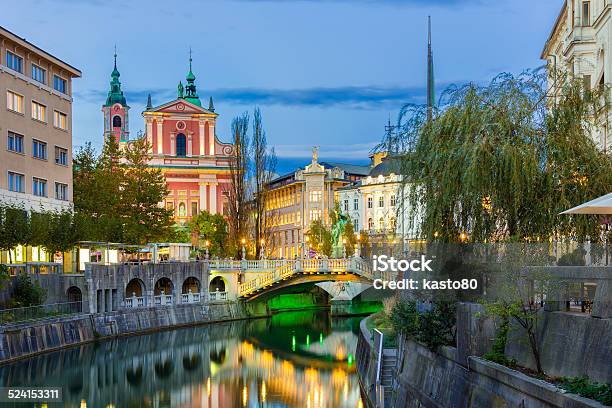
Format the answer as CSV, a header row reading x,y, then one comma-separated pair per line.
x,y
116,121
181,210
181,145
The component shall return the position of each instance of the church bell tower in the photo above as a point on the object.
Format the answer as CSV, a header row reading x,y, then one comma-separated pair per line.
x,y
115,110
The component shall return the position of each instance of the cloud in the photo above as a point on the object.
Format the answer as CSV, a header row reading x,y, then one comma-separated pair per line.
x,y
360,97
327,152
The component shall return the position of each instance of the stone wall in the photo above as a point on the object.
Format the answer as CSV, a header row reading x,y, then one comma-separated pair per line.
x,y
55,285
571,345
25,339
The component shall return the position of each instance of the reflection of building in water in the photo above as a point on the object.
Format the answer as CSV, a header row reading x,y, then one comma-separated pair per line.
x,y
203,367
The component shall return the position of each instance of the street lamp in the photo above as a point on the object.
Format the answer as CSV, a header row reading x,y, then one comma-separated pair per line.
x,y
243,241
305,246
344,248
358,245
463,236
207,244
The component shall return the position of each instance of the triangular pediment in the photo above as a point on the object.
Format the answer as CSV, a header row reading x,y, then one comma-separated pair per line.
x,y
180,106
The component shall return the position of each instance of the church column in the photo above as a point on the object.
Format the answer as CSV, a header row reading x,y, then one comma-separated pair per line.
x,y
150,134
189,145
211,138
213,198
172,145
203,205
202,134
160,140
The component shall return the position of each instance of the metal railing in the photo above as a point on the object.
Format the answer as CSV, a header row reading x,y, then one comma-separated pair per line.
x,y
41,312
34,268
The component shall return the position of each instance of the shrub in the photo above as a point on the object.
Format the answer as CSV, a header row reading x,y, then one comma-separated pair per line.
x,y
585,388
434,328
27,293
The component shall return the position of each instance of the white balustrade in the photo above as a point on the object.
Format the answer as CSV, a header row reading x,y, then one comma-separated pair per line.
x,y
215,296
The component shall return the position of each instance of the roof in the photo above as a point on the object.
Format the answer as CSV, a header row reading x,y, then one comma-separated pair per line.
x,y
348,168
25,43
386,167
170,103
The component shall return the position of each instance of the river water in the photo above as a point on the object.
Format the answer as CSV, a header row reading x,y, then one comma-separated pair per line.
x,y
293,359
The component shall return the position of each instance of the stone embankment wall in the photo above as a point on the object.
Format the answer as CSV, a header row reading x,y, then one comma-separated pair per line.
x,y
26,339
457,377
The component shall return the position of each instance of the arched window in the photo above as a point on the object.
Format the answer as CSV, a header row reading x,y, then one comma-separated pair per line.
x,y
381,223
181,145
370,223
182,211
116,121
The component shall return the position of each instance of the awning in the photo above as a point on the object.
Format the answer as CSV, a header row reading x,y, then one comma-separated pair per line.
x,y
601,205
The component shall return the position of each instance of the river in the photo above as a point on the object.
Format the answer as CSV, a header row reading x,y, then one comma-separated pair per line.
x,y
293,359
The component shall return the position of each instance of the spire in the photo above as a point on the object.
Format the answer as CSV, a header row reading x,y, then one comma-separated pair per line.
x,y
191,93
149,104
211,106
430,73
115,94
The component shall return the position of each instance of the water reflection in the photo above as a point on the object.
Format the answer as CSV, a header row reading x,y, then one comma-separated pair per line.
x,y
294,359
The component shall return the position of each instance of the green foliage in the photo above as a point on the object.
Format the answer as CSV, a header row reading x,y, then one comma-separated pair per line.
x,y
498,350
27,293
320,238
574,258
4,275
117,195
585,388
434,328
214,229
518,158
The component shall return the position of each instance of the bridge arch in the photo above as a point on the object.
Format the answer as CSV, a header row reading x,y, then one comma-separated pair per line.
x,y
164,368
75,297
218,283
135,287
191,284
163,284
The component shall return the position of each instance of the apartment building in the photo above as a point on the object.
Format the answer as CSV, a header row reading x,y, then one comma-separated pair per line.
x,y
35,126
580,45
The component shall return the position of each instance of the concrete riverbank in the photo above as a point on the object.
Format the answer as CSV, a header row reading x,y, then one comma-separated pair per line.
x,y
30,338
459,377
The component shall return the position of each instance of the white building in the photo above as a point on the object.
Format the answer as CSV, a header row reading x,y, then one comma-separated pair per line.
x,y
375,203
579,45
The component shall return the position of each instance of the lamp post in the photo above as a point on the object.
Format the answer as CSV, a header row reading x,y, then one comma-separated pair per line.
x,y
343,248
206,244
358,246
305,246
243,241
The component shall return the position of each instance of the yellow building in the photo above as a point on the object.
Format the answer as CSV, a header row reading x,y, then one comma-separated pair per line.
x,y
297,199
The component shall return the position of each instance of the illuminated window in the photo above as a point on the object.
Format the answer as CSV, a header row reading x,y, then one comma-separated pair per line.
x,y
59,120
39,111
370,223
381,223
315,215
182,211
316,196
14,102
381,201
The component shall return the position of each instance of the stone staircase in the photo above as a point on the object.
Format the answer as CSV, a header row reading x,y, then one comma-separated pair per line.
x,y
388,374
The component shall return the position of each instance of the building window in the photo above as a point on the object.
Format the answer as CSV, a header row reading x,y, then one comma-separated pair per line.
x,y
194,208
170,206
15,142
14,101
39,74
61,156
116,121
370,202
39,111
39,187
381,201
14,62
39,149
59,120
61,191
315,196
586,13
356,225
393,199
370,223
393,223
59,84
346,205
355,204
16,182
315,215
381,223
181,145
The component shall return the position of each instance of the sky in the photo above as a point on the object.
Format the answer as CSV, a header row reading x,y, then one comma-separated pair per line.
x,y
323,72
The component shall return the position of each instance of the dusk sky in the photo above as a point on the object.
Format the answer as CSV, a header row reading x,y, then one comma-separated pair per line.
x,y
323,72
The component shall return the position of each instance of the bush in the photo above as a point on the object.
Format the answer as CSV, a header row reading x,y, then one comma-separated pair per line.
x,y
27,293
498,351
585,388
434,328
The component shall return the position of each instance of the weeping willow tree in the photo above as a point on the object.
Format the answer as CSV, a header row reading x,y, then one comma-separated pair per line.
x,y
500,162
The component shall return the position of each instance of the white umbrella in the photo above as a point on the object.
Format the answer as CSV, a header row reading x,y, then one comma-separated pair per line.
x,y
601,205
